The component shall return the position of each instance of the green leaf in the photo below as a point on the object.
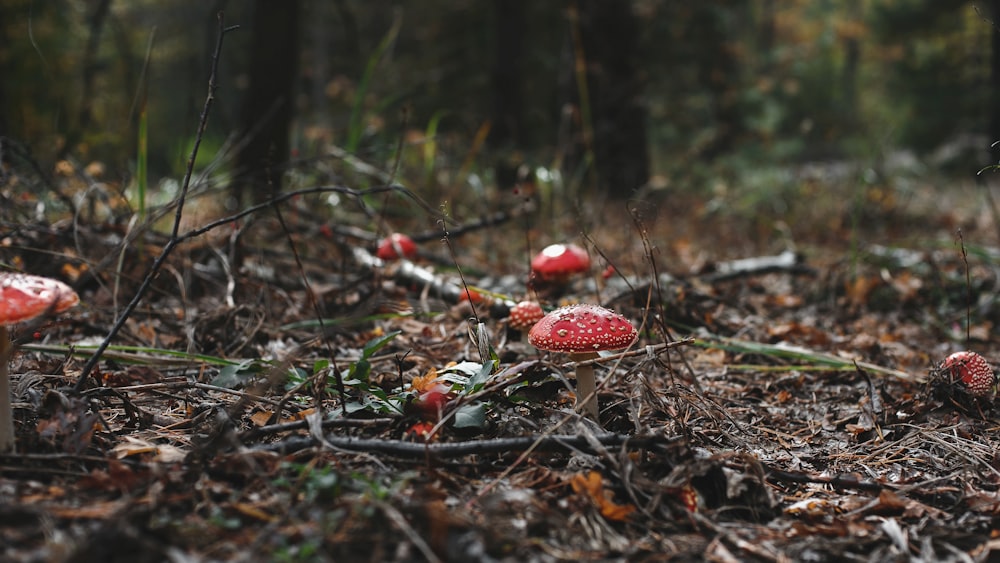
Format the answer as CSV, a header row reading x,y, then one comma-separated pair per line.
x,y
477,381
355,406
376,344
360,370
233,376
295,377
472,415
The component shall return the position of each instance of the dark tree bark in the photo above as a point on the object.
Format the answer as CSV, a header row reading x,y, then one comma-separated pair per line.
x,y
608,48
5,13
267,112
507,73
718,73
766,27
995,71
90,68
852,64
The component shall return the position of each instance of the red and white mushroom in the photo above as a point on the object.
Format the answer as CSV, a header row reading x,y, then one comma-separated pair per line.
x,y
22,298
970,370
524,315
395,246
556,264
582,331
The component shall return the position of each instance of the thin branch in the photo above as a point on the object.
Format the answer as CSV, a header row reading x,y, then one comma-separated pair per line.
x,y
174,238
403,449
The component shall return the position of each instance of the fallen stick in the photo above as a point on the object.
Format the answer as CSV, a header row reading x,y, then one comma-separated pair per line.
x,y
400,448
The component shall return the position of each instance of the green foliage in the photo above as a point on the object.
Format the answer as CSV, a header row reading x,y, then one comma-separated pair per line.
x,y
355,124
325,484
472,415
776,80
356,377
237,375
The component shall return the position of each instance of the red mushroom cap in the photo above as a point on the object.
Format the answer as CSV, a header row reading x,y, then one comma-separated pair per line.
x,y
582,328
396,245
524,315
470,295
24,297
972,370
560,261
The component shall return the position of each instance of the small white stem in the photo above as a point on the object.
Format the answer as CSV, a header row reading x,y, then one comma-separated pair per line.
x,y
586,383
6,408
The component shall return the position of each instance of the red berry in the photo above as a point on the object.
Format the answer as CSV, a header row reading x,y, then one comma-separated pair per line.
x,y
972,370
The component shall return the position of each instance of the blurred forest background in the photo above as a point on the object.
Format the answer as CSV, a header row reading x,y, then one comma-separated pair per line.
x,y
619,98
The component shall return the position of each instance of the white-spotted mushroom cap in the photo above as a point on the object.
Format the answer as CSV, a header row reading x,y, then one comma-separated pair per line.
x,y
24,297
560,261
972,370
524,315
582,328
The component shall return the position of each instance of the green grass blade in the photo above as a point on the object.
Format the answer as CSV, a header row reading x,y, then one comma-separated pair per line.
x,y
356,125
822,360
140,355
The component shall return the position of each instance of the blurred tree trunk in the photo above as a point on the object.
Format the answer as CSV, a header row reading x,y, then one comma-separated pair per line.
x,y
6,12
719,72
267,111
995,71
507,100
91,64
852,62
765,28
507,133
612,116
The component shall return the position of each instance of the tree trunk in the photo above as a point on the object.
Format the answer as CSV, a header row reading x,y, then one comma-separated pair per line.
x,y
268,107
852,64
507,100
995,71
612,117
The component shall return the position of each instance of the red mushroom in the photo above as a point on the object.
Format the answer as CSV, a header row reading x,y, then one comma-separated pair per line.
x,y
582,331
524,315
552,268
23,298
970,370
395,246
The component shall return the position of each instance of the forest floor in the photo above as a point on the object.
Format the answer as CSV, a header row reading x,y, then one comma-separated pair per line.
x,y
773,412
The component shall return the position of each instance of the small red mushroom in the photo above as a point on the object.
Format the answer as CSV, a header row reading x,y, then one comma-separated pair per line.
x,y
396,245
471,296
582,331
524,315
421,432
972,371
22,298
556,263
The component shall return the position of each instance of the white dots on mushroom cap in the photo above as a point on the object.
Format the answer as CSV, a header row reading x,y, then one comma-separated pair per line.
x,y
582,328
525,314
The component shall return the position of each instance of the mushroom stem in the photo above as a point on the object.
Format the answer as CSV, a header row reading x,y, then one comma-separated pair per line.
x,y
586,384
6,409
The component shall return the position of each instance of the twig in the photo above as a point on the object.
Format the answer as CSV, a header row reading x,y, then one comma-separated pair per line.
x,y
777,476
472,447
174,238
254,433
397,518
968,290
